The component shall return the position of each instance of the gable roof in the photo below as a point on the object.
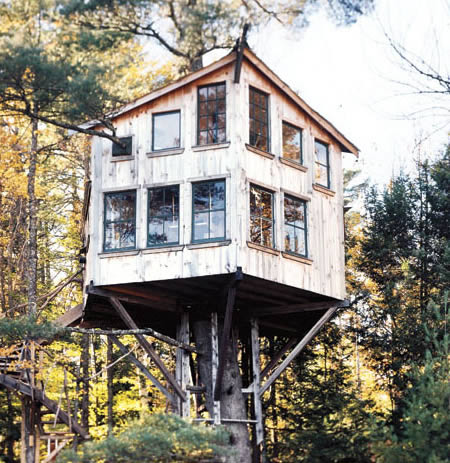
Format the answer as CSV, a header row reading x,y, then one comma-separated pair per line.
x,y
345,144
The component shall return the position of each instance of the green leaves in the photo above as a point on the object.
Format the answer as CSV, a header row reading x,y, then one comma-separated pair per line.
x,y
157,438
26,328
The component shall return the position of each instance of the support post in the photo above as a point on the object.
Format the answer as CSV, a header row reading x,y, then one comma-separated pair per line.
x,y
297,349
215,363
182,365
125,316
256,381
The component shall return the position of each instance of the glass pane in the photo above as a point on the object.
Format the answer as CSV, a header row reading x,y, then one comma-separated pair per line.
x,y
202,93
294,212
127,234
221,136
221,91
267,238
218,195
118,150
201,226
321,151
203,123
321,175
300,242
221,121
156,201
255,230
221,106
172,200
211,107
202,138
112,239
212,92
261,143
203,109
291,142
201,196
266,204
217,219
289,238
156,232
166,131
112,208
120,206
171,229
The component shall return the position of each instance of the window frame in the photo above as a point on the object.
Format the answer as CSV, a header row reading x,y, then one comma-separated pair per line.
x,y
272,193
171,243
318,163
214,84
105,222
209,240
267,121
163,113
300,161
295,227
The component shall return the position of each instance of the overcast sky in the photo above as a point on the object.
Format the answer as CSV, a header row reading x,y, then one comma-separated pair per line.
x,y
351,76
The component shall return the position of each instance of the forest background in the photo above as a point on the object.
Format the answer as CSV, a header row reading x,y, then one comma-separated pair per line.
x,y
373,386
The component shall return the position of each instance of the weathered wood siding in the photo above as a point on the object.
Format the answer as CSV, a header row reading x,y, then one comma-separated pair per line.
x,y
239,167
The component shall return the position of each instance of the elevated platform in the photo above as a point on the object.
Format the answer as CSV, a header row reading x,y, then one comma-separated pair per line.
x,y
281,309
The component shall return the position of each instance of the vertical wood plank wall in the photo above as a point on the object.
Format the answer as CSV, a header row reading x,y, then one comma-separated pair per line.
x,y
239,167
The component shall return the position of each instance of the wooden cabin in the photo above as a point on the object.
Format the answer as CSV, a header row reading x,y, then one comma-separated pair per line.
x,y
224,169
222,204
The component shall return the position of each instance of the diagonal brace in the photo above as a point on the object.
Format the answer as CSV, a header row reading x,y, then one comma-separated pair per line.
x,y
297,349
142,367
125,316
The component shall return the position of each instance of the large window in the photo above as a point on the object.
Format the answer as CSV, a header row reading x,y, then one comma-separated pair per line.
x,y
295,235
292,143
166,131
259,119
163,216
120,221
211,114
124,148
322,174
208,222
261,217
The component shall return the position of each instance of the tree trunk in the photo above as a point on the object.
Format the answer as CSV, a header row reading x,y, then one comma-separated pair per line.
x,y
109,376
232,402
85,382
32,221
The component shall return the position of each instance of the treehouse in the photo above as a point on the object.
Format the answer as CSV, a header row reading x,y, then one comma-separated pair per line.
x,y
222,203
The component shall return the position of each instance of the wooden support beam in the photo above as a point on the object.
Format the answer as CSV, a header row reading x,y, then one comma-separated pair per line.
x,y
294,308
125,316
224,341
298,348
37,394
215,364
125,351
107,293
240,53
277,357
53,454
256,381
182,364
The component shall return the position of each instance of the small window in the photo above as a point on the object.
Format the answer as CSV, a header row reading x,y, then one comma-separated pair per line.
x,y
208,222
125,147
322,174
261,217
166,131
120,221
295,235
211,114
163,216
292,143
259,119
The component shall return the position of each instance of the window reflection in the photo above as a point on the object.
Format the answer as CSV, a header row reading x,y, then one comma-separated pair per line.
x,y
211,114
295,230
261,216
163,215
292,143
166,131
120,221
208,210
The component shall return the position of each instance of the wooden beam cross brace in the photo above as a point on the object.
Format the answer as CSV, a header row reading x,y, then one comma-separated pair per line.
x,y
125,316
297,349
142,367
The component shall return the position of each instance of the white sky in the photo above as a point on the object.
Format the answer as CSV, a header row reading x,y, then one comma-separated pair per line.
x,y
348,74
